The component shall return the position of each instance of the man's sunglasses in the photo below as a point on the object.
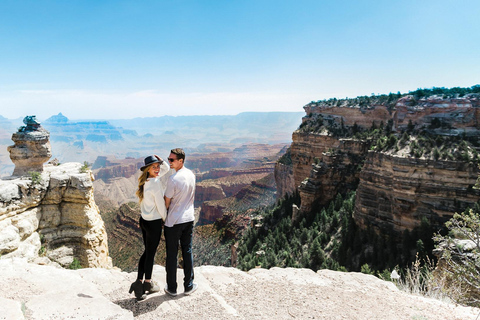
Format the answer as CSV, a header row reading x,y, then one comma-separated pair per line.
x,y
171,159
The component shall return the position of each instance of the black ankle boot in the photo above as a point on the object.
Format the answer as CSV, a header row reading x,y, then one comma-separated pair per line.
x,y
150,287
137,286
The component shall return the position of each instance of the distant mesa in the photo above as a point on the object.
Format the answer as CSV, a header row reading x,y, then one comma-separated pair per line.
x,y
59,118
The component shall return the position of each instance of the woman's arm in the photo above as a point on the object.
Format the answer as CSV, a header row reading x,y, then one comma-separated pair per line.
x,y
164,167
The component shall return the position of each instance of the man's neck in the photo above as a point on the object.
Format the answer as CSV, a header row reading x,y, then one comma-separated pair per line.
x,y
179,168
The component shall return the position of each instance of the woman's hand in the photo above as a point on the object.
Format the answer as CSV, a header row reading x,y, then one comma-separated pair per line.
x,y
159,159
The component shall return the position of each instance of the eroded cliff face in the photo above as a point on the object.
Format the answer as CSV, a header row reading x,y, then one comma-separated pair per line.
x,y
394,191
55,218
459,114
397,192
335,171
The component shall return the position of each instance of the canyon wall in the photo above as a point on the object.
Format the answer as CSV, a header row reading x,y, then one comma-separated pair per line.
x,y
397,192
394,190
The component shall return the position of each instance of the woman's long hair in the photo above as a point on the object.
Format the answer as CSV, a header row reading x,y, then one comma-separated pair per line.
x,y
141,182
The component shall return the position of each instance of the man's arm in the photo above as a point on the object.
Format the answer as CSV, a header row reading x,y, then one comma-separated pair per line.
x,y
167,202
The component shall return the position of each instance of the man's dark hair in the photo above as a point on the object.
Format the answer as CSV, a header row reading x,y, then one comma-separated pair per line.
x,y
179,153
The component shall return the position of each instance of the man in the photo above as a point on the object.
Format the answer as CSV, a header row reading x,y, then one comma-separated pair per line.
x,y
179,196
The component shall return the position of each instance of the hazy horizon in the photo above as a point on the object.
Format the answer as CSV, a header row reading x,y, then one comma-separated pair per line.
x,y
126,59
126,119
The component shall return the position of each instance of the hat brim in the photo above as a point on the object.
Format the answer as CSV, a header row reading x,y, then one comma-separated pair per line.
x,y
148,165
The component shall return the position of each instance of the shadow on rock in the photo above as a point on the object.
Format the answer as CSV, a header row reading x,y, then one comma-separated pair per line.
x,y
145,306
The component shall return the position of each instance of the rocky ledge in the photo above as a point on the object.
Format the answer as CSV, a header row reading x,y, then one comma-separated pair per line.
x,y
31,291
52,217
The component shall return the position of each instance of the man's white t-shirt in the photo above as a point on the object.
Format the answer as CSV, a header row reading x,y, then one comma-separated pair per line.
x,y
153,203
181,189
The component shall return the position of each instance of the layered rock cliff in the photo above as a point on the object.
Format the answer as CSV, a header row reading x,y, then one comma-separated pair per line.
x,y
53,216
396,188
397,192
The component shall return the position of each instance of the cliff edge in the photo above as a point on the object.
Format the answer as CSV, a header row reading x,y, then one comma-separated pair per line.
x,y
52,217
31,291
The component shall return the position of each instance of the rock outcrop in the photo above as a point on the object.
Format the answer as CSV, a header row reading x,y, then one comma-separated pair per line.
x,y
49,215
43,292
54,217
31,149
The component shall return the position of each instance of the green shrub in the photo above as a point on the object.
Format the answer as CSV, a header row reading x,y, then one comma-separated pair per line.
x,y
461,267
42,252
36,177
75,264
84,168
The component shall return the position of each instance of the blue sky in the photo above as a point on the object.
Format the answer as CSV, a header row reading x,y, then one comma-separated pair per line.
x,y
125,59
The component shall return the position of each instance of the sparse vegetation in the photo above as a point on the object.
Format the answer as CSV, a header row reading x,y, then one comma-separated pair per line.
x,y
35,176
43,249
75,264
85,167
286,158
460,257
390,99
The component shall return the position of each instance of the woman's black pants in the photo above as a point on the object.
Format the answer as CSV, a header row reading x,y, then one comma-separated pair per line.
x,y
151,231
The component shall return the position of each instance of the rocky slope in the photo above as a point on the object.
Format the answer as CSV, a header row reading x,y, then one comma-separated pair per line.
x,y
44,292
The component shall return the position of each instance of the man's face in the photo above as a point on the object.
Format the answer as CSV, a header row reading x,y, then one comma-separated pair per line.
x,y
174,162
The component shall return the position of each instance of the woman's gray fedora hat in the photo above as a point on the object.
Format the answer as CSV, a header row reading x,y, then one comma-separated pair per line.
x,y
150,160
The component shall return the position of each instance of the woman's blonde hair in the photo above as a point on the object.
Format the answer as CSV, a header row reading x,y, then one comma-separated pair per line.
x,y
141,182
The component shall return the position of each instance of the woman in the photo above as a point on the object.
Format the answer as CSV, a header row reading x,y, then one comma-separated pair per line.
x,y
152,204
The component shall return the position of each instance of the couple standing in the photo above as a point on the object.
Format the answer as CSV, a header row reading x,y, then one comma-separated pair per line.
x,y
174,205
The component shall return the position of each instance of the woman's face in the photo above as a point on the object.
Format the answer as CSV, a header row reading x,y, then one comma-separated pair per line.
x,y
153,170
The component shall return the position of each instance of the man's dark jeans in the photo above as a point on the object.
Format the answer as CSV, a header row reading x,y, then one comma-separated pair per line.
x,y
173,235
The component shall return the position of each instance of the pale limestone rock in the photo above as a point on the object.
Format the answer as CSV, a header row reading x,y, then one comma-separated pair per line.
x,y
8,192
61,208
53,293
11,309
28,248
9,239
26,222
62,255
223,293
30,151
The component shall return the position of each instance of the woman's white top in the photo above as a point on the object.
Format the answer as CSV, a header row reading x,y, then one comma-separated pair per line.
x,y
153,203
